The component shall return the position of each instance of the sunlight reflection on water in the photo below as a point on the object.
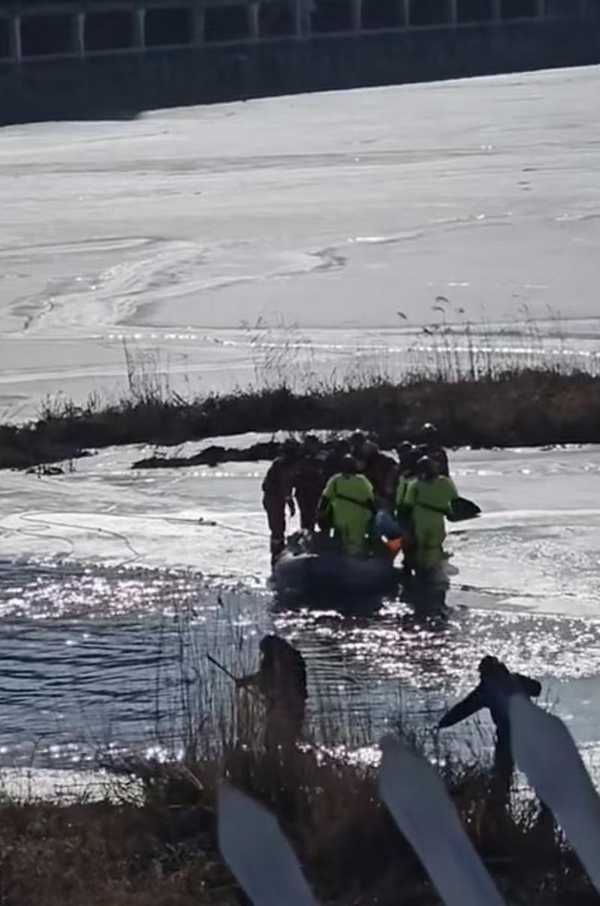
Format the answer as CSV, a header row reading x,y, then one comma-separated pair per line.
x,y
113,660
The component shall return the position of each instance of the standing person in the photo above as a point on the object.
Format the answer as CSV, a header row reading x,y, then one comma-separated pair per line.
x,y
496,685
334,458
357,442
309,482
277,494
402,511
407,464
428,498
281,681
430,446
382,472
348,505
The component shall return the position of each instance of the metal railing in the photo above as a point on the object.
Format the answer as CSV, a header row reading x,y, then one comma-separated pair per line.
x,y
54,29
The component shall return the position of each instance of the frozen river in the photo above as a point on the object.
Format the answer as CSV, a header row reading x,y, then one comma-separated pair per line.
x,y
335,212
305,236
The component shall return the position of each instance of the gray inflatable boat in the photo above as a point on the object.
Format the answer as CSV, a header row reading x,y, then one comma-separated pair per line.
x,y
315,573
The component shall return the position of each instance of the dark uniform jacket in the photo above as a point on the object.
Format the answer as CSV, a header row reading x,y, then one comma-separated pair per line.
x,y
279,480
493,693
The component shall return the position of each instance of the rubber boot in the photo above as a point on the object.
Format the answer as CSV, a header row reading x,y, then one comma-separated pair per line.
x,y
277,546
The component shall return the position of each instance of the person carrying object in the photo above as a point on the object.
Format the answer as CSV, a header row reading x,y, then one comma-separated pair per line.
x,y
428,499
348,505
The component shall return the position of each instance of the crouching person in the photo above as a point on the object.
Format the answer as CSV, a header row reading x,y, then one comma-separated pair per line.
x,y
496,685
281,683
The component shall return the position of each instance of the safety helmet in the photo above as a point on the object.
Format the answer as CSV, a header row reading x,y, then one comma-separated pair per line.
x,y
407,454
290,447
488,664
267,642
426,467
311,442
349,465
429,430
357,438
370,448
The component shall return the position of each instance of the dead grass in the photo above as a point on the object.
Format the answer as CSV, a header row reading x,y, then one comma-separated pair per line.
x,y
164,851
109,855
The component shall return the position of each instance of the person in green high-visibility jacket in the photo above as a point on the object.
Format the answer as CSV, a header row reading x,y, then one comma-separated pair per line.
x,y
428,498
348,504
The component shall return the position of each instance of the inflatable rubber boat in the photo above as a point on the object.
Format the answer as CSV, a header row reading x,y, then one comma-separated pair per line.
x,y
303,570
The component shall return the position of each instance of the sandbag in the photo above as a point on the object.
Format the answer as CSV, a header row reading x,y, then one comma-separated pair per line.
x,y
462,509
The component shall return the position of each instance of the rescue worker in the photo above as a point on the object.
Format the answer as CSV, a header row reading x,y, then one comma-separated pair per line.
x,y
309,482
406,474
277,494
382,472
407,452
348,505
495,686
281,682
334,458
428,498
357,442
430,446
402,511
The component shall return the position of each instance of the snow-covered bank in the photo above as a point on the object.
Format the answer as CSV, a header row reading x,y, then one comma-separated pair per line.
x,y
333,211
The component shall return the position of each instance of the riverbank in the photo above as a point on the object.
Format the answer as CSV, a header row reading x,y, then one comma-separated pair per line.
x,y
165,851
532,407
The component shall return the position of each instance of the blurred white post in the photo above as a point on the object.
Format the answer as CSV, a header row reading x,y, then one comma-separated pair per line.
x,y
356,15
79,34
541,9
258,854
254,21
16,50
423,811
139,28
453,12
497,10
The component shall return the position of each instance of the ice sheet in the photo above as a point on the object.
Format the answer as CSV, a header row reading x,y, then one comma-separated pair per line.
x,y
537,544
332,211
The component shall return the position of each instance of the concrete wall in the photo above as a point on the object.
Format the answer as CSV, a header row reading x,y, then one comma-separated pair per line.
x,y
123,85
